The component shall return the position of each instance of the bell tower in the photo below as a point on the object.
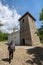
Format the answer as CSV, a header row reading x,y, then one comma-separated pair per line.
x,y
28,30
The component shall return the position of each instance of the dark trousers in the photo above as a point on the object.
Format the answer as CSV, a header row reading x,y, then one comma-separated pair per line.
x,y
10,54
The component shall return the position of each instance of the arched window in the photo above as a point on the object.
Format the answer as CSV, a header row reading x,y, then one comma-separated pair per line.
x,y
23,20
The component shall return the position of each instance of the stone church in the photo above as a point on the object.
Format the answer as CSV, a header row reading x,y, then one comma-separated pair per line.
x,y
28,32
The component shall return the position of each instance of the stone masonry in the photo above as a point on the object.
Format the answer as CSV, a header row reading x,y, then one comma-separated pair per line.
x,y
28,35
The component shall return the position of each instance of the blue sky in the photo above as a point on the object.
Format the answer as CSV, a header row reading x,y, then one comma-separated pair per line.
x,y
33,6
22,6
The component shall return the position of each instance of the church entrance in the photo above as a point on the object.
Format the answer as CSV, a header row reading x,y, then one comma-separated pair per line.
x,y
23,41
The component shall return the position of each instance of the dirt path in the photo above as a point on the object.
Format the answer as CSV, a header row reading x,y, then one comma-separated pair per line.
x,y
22,56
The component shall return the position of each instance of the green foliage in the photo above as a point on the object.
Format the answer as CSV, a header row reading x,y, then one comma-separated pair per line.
x,y
41,15
0,25
40,33
3,36
40,30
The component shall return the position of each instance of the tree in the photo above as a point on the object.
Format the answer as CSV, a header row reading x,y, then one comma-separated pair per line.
x,y
0,25
40,30
40,33
41,15
3,36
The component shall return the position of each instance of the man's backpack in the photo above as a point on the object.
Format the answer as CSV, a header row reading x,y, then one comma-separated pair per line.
x,y
11,47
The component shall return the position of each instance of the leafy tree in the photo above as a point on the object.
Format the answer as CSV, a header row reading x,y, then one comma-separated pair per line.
x,y
41,15
0,25
40,30
3,36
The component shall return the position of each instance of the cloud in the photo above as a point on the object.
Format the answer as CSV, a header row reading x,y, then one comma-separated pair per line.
x,y
8,17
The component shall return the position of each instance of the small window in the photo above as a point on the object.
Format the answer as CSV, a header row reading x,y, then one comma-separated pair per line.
x,y
14,37
23,21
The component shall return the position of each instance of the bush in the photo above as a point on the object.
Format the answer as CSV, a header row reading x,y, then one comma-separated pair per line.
x,y
3,36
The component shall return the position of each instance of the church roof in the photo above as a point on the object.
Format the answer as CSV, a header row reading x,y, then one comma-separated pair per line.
x,y
15,32
29,15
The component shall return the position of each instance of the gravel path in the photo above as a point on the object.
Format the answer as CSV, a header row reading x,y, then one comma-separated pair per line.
x,y
21,56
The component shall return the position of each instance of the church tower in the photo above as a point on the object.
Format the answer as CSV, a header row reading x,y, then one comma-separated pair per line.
x,y
28,35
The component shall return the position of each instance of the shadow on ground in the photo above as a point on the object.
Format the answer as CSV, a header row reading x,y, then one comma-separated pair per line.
x,y
38,56
5,59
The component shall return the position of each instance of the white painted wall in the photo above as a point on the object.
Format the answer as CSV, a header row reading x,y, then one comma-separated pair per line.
x,y
15,37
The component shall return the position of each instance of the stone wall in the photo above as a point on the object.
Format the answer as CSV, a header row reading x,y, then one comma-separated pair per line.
x,y
25,31
33,30
28,31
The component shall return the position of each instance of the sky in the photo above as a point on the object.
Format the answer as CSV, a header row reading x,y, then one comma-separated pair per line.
x,y
12,10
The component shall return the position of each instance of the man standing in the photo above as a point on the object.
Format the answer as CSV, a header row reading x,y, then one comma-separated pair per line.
x,y
11,48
